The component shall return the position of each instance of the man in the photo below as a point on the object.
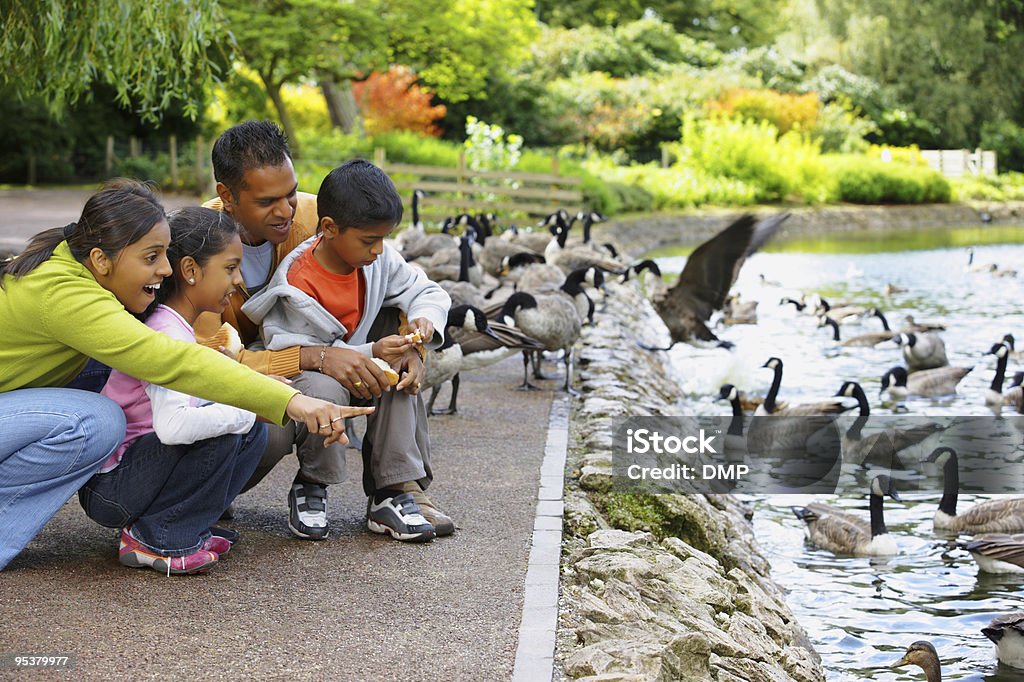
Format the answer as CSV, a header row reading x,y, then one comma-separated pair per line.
x,y
256,185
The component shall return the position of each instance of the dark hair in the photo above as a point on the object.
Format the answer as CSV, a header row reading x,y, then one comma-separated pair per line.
x,y
249,145
198,232
119,214
358,194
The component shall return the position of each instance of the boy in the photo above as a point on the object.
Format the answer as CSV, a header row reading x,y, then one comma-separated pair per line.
x,y
329,292
256,185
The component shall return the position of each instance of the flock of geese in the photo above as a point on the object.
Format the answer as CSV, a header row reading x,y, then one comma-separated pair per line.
x,y
530,291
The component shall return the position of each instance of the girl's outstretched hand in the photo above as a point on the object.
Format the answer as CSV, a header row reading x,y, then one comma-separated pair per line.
x,y
323,418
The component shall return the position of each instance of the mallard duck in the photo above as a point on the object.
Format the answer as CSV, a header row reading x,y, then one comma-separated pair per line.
x,y
923,655
992,516
845,533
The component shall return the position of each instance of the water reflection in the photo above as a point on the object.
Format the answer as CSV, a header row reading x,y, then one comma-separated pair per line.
x,y
862,613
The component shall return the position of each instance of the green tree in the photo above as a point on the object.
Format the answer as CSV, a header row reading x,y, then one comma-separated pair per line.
x,y
952,62
154,53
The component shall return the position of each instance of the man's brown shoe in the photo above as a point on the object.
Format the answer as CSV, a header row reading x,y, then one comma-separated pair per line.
x,y
442,523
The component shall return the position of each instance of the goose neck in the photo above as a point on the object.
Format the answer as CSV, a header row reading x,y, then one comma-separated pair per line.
x,y
877,518
950,486
997,380
773,392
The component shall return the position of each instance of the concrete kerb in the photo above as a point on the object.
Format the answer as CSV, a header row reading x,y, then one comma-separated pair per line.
x,y
536,647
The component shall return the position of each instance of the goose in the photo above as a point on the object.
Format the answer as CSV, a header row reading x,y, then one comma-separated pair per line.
x,y
1013,396
923,655
996,552
464,269
574,256
551,319
470,343
844,533
735,443
415,232
770,406
889,289
651,284
425,245
992,516
709,273
928,382
861,340
799,305
842,314
1007,633
765,282
885,447
994,399
739,312
1010,342
977,267
496,253
922,351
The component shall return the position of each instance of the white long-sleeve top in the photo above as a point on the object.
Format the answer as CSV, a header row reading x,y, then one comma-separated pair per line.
x,y
176,418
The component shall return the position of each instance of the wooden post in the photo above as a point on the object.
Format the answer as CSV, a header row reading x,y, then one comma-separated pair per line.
x,y
200,154
380,157
31,167
554,165
172,151
665,157
133,147
108,164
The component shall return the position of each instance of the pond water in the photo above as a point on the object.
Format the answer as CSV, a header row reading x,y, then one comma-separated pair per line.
x,y
862,613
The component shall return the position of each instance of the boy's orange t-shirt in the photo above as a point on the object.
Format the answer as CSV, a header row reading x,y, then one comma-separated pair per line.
x,y
343,296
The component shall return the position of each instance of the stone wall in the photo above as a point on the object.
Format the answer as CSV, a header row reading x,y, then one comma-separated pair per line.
x,y
659,587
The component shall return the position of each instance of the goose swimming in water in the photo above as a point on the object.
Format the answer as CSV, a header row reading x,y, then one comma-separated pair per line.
x,y
861,340
922,351
845,533
928,382
992,516
996,552
709,273
994,399
1007,633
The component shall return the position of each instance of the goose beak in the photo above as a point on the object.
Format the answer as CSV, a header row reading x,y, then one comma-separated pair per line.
x,y
895,495
490,332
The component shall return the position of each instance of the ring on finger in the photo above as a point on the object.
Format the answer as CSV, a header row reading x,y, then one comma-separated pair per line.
x,y
337,419
357,383
321,427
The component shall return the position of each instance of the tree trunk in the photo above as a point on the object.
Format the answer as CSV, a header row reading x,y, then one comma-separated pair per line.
x,y
341,105
274,92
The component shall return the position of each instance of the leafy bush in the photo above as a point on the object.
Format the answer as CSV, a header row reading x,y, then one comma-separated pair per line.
x,y
771,67
839,129
784,111
776,167
393,101
853,92
1002,187
670,188
864,180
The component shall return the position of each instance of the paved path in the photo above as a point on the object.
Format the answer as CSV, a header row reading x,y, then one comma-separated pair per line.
x,y
356,606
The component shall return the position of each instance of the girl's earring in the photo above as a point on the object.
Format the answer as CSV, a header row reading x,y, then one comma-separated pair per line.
x,y
191,281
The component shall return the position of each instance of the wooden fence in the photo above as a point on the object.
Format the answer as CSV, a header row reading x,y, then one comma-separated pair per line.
x,y
508,193
957,162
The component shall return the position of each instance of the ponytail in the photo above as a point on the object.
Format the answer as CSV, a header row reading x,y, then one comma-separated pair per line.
x,y
119,214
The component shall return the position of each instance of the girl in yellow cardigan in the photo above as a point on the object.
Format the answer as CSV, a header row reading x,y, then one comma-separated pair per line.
x,y
70,296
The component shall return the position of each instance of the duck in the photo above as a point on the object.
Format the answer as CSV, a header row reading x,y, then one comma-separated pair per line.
x,y
551,319
845,533
923,655
889,289
1007,633
709,273
929,383
994,399
922,351
861,340
996,552
992,516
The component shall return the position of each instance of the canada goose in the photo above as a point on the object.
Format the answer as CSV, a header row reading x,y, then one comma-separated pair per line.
x,y
977,267
861,340
1007,633
709,273
494,253
648,274
464,269
1010,342
748,403
923,655
799,305
844,533
470,343
841,313
889,289
996,552
1003,272
765,282
574,256
425,245
887,447
770,406
922,351
1014,393
928,382
992,516
994,395
415,231
551,319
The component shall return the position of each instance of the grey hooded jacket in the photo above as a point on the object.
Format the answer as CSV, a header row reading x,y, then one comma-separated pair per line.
x,y
289,316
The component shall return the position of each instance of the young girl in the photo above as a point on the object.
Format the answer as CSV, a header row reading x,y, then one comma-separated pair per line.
x,y
182,461
70,296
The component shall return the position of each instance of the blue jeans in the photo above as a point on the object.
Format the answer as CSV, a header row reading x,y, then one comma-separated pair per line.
x,y
52,440
171,495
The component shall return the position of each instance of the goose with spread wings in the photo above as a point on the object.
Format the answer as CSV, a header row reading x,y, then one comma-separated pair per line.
x,y
709,273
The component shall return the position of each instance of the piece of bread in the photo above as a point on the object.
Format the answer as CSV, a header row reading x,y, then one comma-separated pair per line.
x,y
415,337
392,375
